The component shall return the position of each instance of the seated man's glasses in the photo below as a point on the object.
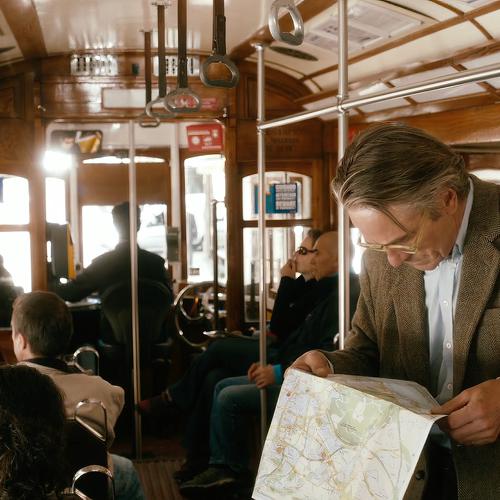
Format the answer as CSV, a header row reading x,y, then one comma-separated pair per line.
x,y
304,251
408,249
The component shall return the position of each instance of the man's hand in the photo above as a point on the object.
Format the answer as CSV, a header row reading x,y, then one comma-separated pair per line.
x,y
263,376
289,269
313,362
251,371
473,415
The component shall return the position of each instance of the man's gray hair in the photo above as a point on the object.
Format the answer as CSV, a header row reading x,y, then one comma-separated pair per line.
x,y
392,164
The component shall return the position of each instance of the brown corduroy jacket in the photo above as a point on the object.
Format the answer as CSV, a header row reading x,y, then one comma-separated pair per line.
x,y
389,335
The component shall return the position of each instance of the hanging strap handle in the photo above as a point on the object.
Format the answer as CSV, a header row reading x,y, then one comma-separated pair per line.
x,y
182,99
295,37
144,121
219,51
162,67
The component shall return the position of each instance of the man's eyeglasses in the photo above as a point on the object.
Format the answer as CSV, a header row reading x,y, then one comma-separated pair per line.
x,y
304,251
408,249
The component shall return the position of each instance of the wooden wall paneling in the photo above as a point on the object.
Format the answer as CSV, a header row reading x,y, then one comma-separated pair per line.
x,y
294,141
235,298
477,161
108,184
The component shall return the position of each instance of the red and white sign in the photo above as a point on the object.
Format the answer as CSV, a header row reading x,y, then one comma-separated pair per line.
x,y
205,137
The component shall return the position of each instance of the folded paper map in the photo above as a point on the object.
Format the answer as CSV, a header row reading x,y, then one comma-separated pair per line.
x,y
344,437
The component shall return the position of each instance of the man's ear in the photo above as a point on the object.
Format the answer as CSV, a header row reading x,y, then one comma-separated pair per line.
x,y
19,340
450,201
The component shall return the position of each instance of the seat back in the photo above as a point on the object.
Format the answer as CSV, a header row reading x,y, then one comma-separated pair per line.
x,y
86,447
154,300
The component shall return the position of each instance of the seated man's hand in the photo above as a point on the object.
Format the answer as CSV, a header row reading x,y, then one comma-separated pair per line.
x,y
251,371
264,376
289,269
473,415
313,362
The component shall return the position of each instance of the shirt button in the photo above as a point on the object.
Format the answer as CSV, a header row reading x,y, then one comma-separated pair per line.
x,y
448,345
445,302
449,387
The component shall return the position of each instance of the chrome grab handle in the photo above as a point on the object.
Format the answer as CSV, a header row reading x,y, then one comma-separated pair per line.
x,y
85,348
182,100
82,422
154,114
219,51
222,59
89,469
145,123
295,37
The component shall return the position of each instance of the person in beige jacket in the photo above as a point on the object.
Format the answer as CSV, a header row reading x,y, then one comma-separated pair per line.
x,y
429,309
41,332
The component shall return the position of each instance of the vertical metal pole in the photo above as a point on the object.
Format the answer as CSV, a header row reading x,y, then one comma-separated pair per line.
x,y
175,196
132,187
74,210
261,162
215,244
343,219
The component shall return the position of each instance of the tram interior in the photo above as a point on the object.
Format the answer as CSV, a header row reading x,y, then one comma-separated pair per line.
x,y
75,82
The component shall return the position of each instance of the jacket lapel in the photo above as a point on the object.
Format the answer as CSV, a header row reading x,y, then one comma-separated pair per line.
x,y
480,268
411,318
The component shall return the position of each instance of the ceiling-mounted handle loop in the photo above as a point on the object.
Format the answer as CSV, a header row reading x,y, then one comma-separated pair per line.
x,y
219,52
154,114
221,59
182,100
145,121
295,37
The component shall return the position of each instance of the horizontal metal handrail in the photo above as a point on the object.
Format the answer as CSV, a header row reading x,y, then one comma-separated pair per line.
x,y
469,76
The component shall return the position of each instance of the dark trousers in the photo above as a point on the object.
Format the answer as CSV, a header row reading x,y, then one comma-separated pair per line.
x,y
193,393
442,481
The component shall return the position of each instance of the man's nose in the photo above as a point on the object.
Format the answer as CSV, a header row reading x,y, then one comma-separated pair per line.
x,y
396,257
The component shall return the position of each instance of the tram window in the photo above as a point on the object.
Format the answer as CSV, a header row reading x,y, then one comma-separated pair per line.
x,y
55,200
99,234
205,181
280,244
16,252
303,195
14,200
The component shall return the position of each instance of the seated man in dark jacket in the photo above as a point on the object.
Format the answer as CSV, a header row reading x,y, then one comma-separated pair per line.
x,y
296,297
113,267
236,397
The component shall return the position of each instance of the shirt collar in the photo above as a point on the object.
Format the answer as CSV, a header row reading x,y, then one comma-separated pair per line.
x,y
458,248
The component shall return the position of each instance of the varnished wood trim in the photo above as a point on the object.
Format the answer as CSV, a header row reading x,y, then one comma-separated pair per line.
x,y
453,9
415,35
474,52
308,9
22,17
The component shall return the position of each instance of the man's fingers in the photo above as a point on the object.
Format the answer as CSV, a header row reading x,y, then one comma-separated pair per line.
x,y
313,362
452,405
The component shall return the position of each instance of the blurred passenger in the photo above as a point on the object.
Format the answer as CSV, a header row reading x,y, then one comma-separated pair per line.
x,y
31,438
41,333
239,397
113,267
193,394
296,297
8,293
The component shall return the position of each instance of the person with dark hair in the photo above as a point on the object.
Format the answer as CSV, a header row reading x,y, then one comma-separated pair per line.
x,y
236,398
193,393
8,293
113,267
429,309
31,442
41,333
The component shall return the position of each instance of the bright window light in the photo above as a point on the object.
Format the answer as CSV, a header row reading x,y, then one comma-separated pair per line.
x,y
116,160
56,163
